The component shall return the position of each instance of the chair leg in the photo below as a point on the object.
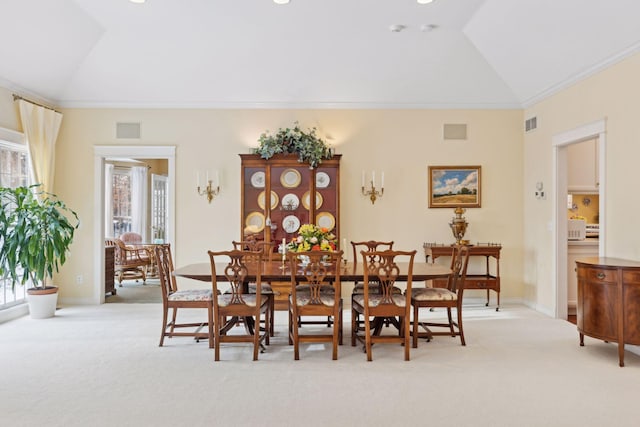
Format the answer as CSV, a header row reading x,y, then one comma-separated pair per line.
x,y
405,331
336,335
460,331
173,322
453,333
256,337
367,336
296,338
164,325
354,328
216,338
416,324
211,325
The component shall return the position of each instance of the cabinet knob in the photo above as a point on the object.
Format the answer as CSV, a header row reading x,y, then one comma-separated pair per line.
x,y
600,275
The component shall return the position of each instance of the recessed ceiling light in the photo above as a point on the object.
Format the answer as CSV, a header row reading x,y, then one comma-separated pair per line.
x,y
424,1
137,1
281,1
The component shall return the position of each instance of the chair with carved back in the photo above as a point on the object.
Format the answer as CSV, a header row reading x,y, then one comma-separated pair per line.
x,y
380,300
173,298
318,294
368,246
234,304
449,297
129,262
266,248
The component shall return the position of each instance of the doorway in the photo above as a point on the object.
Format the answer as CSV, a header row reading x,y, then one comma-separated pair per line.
x,y
560,142
101,154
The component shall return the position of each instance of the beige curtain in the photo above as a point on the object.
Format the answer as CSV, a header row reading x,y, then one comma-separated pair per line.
x,y
41,126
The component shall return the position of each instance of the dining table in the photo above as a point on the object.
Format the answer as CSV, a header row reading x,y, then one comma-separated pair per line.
x,y
274,271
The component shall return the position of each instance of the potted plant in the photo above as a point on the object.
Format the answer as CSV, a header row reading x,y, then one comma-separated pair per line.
x,y
35,235
307,145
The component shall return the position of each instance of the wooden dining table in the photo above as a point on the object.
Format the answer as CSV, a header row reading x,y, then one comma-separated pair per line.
x,y
273,271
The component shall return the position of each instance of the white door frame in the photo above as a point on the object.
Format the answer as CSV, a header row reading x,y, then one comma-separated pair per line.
x,y
559,260
102,152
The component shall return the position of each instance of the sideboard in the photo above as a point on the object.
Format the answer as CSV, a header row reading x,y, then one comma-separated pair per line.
x,y
489,279
608,306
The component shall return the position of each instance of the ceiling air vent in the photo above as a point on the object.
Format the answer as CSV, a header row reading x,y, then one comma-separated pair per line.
x,y
530,124
454,131
128,130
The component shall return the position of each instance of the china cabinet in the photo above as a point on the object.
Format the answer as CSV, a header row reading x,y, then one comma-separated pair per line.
x,y
276,200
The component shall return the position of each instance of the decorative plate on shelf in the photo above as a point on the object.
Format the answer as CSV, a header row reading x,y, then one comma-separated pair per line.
x,y
290,178
290,223
322,180
255,219
274,200
257,179
290,202
306,200
326,220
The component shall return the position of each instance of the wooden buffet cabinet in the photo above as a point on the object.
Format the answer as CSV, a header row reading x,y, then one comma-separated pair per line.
x,y
290,185
485,280
608,305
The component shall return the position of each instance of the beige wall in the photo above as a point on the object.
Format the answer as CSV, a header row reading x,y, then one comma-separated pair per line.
x,y
400,142
613,95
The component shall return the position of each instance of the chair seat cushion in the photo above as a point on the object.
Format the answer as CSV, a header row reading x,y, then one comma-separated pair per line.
x,y
375,300
327,289
224,300
433,294
192,295
304,298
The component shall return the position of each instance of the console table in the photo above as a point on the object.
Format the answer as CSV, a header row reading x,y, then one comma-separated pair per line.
x,y
485,280
608,306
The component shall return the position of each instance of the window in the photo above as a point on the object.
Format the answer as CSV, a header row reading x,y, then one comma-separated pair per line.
x,y
121,199
14,172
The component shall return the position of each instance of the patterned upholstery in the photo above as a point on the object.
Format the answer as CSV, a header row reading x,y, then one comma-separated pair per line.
x,y
248,299
192,295
373,288
376,299
433,294
304,298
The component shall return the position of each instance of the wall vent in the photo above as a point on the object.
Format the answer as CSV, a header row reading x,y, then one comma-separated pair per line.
x,y
530,124
128,130
454,131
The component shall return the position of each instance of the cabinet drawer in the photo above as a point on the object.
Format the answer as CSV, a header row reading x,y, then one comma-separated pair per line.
x,y
598,274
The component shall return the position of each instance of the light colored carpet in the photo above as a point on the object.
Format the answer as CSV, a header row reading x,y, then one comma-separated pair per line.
x,y
132,292
101,366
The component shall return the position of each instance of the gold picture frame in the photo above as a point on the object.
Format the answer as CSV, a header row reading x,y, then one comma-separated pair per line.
x,y
453,186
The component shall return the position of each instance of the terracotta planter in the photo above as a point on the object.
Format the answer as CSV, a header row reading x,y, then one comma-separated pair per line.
x,y
42,302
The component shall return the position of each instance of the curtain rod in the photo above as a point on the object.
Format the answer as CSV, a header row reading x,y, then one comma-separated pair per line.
x,y
16,97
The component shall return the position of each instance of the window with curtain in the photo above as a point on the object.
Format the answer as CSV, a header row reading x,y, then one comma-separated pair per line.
x,y
128,204
14,172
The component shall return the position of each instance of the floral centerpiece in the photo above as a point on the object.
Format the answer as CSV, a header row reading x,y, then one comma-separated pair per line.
x,y
313,238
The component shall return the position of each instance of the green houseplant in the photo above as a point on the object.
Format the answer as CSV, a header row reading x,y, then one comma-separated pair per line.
x,y
306,144
36,231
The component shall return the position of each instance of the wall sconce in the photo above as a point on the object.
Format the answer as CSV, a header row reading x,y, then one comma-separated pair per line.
x,y
372,193
208,191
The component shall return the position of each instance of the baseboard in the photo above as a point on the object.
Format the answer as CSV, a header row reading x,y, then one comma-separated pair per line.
x,y
14,312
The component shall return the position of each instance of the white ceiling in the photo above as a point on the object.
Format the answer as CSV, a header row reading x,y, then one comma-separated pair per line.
x,y
309,53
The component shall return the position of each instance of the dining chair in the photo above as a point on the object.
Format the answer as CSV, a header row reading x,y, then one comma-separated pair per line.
x,y
236,305
266,248
173,298
449,297
317,294
381,272
369,246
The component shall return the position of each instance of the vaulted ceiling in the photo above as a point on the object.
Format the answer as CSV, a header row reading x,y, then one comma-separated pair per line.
x,y
309,53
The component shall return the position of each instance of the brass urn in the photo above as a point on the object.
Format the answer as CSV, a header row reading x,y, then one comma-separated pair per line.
x,y
458,224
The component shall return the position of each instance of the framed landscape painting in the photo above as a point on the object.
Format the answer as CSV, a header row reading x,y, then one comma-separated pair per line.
x,y
452,186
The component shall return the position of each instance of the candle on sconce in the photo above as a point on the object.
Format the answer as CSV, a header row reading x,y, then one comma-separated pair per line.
x,y
344,247
284,251
382,181
373,178
218,179
197,178
362,178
